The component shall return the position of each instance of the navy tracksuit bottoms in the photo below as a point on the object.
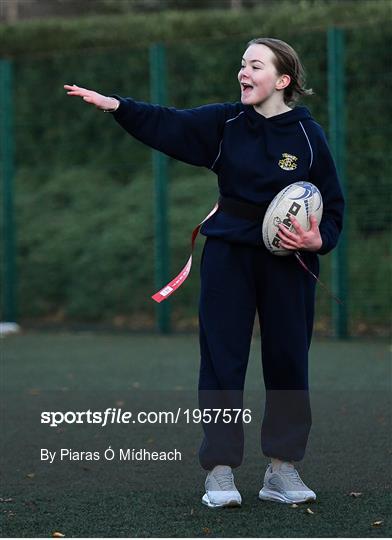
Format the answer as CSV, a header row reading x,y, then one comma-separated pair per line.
x,y
236,280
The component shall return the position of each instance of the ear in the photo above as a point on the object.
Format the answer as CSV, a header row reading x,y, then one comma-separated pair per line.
x,y
283,82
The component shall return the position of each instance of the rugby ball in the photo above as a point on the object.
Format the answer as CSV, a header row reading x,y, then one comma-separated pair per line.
x,y
301,200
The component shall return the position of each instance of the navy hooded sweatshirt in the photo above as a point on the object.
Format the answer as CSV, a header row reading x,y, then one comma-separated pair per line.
x,y
253,156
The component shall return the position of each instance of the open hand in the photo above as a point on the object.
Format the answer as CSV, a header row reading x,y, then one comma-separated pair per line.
x,y
100,101
300,239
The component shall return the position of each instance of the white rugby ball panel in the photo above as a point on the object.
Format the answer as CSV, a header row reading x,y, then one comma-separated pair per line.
x,y
300,200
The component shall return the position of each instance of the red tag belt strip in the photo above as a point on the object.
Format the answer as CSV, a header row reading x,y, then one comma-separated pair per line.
x,y
301,262
175,283
169,289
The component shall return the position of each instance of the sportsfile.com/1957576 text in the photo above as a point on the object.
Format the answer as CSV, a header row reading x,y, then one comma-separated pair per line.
x,y
112,415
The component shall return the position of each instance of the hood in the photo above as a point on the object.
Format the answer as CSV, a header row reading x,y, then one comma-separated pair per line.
x,y
289,117
272,127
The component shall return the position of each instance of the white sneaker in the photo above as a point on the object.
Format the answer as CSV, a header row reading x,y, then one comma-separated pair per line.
x,y
283,484
220,488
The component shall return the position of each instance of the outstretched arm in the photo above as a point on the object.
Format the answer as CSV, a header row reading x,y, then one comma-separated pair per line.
x,y
189,135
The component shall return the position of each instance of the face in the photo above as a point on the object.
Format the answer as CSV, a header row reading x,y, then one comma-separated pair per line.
x,y
258,77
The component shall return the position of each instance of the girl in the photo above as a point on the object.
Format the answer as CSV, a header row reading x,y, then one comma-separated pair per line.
x,y
256,148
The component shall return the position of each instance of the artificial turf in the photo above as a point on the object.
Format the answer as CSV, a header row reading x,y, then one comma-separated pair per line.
x,y
349,448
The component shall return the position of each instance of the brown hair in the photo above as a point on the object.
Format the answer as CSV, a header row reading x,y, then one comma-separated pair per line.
x,y
286,62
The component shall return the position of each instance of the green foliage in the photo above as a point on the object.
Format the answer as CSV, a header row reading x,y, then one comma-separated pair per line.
x,y
139,30
84,188
84,244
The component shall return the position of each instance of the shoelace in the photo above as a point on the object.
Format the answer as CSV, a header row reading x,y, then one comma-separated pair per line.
x,y
225,481
294,476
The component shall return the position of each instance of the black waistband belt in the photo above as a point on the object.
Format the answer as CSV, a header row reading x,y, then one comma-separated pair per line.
x,y
241,209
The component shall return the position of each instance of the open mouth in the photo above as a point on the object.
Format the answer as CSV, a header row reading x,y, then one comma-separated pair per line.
x,y
246,88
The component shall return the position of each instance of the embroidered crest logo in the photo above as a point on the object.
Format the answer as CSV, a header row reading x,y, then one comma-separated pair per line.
x,y
288,163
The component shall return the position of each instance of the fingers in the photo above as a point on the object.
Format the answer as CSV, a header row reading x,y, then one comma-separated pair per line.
x,y
288,240
89,96
285,233
300,239
77,90
289,245
72,88
313,223
291,240
296,225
